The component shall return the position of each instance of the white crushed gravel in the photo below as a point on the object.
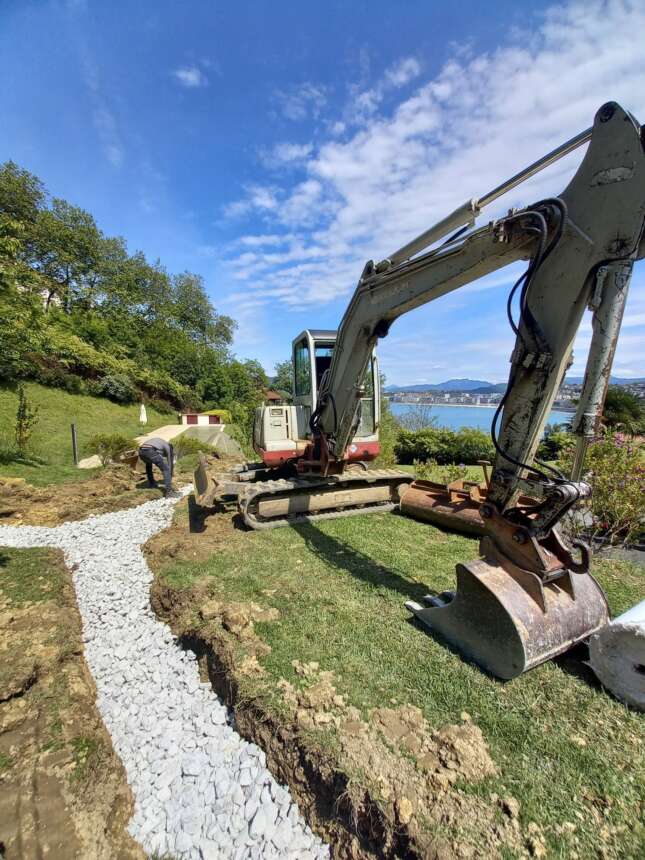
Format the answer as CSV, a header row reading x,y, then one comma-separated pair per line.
x,y
200,790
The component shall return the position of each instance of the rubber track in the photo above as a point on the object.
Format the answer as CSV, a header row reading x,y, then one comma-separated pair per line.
x,y
250,495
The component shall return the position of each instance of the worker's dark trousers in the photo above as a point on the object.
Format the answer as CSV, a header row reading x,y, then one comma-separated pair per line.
x,y
155,458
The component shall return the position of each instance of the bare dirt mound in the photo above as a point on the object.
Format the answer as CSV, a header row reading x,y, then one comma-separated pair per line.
x,y
195,534
63,791
114,489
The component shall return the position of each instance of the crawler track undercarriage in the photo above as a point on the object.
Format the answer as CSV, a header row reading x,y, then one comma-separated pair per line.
x,y
281,501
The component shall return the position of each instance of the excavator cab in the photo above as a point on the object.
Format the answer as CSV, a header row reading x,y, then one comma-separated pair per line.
x,y
312,353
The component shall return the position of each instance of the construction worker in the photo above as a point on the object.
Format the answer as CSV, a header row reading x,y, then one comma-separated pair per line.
x,y
157,452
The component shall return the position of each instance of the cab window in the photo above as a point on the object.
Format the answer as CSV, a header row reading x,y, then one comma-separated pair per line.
x,y
301,368
367,425
324,355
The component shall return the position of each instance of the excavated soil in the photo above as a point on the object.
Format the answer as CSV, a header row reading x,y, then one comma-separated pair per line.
x,y
114,489
193,535
63,792
385,784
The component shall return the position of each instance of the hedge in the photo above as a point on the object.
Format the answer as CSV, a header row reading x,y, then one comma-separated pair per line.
x,y
444,446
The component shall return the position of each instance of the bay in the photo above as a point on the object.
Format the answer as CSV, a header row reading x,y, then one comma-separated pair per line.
x,y
457,416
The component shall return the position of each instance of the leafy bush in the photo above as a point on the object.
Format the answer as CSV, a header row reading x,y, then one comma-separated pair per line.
x,y
116,387
429,470
109,447
615,469
162,406
54,377
554,442
467,446
623,411
185,445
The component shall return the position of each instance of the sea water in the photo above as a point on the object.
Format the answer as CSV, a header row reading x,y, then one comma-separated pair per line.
x,y
454,417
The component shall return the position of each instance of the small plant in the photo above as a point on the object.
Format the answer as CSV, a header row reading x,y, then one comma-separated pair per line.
x,y
109,447
185,445
26,419
425,469
615,469
453,472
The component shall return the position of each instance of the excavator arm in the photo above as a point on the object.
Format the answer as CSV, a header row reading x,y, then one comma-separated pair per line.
x,y
528,598
595,225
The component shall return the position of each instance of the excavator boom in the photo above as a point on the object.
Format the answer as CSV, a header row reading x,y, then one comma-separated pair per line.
x,y
528,597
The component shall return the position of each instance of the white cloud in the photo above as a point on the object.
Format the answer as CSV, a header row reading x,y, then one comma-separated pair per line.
x,y
258,197
190,77
265,240
366,102
303,101
286,154
106,126
403,72
103,118
481,118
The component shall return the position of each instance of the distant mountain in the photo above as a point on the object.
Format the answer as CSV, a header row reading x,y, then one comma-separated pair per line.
x,y
479,386
613,380
449,385
489,388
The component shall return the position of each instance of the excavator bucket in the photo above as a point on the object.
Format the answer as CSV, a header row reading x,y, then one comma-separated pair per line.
x,y
205,487
508,620
452,506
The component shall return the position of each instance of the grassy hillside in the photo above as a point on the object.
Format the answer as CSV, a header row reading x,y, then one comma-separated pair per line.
x,y
51,440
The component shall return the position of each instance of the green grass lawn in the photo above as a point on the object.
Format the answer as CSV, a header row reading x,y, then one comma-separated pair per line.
x,y
565,749
51,440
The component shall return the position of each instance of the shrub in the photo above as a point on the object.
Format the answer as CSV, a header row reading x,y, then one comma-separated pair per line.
x,y
26,419
431,471
109,446
554,442
116,387
467,446
162,406
55,377
185,445
616,472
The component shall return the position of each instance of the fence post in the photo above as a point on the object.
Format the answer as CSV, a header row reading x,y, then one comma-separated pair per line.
x,y
74,445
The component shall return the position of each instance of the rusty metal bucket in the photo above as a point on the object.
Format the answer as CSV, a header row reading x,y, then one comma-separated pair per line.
x,y
454,506
509,620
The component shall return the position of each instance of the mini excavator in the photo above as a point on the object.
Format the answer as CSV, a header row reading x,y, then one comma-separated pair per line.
x,y
529,596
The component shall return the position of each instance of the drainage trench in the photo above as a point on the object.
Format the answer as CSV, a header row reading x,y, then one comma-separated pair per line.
x,y
200,790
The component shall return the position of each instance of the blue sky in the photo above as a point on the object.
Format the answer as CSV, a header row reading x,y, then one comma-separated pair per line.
x,y
274,146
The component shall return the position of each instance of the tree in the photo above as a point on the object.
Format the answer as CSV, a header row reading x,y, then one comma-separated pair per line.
x,y
623,411
66,251
22,194
193,312
417,417
216,389
26,419
283,379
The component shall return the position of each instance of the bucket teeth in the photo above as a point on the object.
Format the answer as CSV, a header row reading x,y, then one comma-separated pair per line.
x,y
439,600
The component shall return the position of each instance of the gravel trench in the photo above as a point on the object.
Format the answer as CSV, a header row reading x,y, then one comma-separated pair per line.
x,y
200,790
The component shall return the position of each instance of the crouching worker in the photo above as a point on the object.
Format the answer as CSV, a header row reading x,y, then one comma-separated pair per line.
x,y
157,452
